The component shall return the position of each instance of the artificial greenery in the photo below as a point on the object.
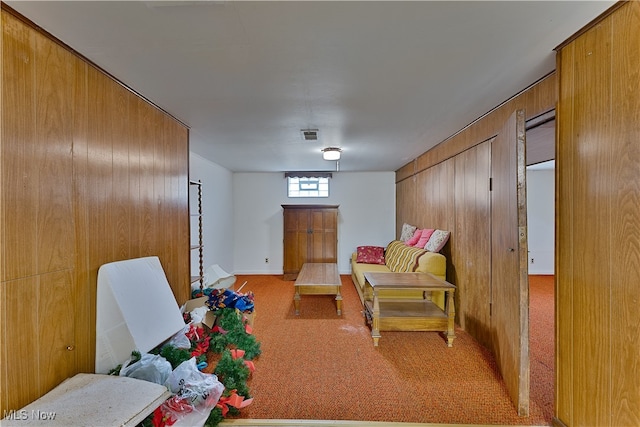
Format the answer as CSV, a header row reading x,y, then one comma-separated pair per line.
x,y
233,373
135,356
214,418
174,355
233,334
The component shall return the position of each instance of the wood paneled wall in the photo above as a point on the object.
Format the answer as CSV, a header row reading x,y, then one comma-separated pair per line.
x,y
598,224
447,187
90,173
472,273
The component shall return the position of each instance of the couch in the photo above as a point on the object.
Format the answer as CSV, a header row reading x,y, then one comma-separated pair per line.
x,y
400,258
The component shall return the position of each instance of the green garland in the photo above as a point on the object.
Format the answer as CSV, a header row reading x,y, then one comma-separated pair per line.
x,y
234,335
174,355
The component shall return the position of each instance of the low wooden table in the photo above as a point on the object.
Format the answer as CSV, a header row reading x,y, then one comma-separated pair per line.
x,y
318,278
408,314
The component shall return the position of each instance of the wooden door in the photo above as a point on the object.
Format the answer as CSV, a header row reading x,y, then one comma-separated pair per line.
x,y
323,236
296,232
509,270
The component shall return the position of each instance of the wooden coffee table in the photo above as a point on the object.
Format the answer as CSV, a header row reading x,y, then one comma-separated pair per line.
x,y
318,278
387,314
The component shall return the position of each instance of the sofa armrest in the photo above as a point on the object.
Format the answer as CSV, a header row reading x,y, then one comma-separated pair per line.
x,y
434,263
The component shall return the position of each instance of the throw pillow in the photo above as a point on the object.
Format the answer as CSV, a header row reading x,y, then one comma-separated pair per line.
x,y
407,232
437,241
416,236
370,255
424,238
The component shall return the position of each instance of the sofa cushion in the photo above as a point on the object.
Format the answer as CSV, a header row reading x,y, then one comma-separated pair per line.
x,y
401,258
437,241
414,239
407,232
424,238
370,254
359,270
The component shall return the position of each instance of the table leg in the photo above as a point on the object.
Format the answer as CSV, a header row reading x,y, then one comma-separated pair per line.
x,y
296,300
451,313
375,324
339,301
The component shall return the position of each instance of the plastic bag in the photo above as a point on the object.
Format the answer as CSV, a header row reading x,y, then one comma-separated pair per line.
x,y
151,367
196,394
180,340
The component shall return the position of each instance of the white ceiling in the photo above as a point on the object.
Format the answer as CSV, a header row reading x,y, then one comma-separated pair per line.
x,y
383,80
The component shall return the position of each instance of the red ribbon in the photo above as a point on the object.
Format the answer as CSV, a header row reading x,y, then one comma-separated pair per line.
x,y
235,400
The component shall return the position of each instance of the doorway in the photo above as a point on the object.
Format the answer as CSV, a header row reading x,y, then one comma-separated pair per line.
x,y
540,149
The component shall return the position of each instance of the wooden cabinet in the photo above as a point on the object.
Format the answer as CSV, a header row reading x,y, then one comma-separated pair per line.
x,y
310,235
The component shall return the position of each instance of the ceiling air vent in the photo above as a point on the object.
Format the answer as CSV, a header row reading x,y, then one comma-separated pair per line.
x,y
309,134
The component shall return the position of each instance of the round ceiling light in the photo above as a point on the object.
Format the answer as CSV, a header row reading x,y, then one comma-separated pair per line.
x,y
331,153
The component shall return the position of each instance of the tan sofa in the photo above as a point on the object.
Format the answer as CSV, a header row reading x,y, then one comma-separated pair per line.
x,y
400,258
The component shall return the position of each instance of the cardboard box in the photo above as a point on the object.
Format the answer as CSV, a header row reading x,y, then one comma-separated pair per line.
x,y
209,319
250,317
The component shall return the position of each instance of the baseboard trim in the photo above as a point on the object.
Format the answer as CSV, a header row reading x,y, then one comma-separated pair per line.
x,y
334,423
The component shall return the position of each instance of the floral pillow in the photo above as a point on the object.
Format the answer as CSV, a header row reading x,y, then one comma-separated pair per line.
x,y
437,241
424,238
407,232
416,236
370,255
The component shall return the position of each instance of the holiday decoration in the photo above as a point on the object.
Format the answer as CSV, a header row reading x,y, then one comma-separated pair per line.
x,y
226,350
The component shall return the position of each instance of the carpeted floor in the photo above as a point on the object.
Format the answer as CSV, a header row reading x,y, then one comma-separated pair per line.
x,y
322,366
541,342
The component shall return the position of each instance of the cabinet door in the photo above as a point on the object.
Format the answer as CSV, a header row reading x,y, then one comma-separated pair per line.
x,y
296,232
324,235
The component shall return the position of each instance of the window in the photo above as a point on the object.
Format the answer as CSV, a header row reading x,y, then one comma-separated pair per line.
x,y
307,186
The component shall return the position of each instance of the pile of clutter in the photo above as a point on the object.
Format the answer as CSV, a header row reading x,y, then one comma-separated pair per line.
x,y
205,366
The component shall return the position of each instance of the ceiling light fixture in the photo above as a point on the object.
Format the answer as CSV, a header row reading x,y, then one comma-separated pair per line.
x,y
331,153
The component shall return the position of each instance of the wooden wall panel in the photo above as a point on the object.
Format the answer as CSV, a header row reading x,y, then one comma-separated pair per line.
x,y
564,259
3,367
435,198
56,329
19,171
405,212
134,195
471,260
625,217
91,174
21,334
121,202
598,223
182,285
148,139
53,156
590,195
177,185
84,292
